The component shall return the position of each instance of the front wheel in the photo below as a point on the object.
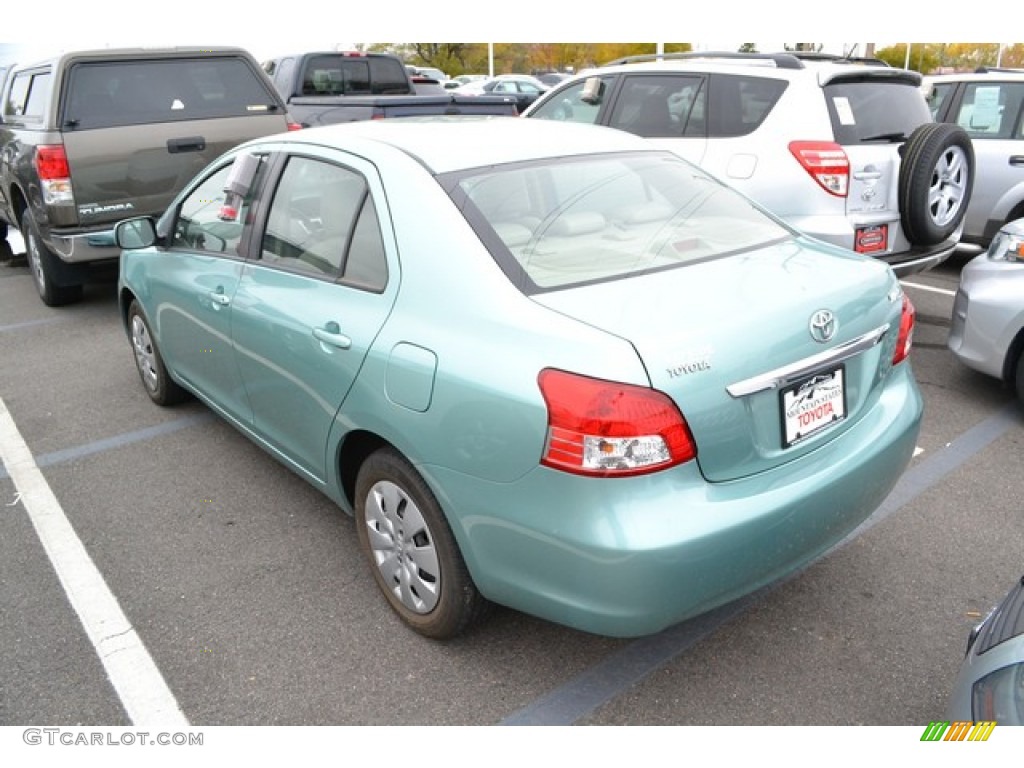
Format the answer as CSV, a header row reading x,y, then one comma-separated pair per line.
x,y
161,389
42,263
411,550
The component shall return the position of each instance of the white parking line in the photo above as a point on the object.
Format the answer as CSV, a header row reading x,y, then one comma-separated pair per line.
x,y
144,693
933,289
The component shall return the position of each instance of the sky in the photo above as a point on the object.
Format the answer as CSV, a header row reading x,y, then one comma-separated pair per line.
x,y
268,29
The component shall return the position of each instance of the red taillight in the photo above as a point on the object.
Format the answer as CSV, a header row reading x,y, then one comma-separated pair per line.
x,y
906,335
52,162
292,126
607,429
826,162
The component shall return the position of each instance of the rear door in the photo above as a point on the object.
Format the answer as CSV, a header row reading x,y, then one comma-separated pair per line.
x,y
137,130
990,112
312,300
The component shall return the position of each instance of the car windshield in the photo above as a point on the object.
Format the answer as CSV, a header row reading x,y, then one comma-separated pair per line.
x,y
561,222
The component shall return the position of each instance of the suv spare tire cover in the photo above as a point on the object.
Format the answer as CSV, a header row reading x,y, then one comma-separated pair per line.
x,y
936,178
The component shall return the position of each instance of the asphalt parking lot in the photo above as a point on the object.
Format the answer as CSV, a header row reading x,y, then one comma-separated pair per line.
x,y
248,591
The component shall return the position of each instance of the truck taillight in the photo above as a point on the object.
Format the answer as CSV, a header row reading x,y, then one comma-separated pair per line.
x,y
609,429
905,339
54,174
826,162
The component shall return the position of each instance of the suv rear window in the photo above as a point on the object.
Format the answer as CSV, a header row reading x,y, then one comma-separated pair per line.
x,y
106,94
874,110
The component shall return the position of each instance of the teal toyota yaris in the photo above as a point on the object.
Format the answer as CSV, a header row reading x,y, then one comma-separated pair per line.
x,y
543,364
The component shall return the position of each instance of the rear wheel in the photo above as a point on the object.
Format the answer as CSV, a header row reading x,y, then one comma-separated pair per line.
x,y
936,177
411,550
43,265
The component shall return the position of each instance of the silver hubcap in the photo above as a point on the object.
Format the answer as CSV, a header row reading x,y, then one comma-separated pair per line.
x,y
949,184
145,357
403,547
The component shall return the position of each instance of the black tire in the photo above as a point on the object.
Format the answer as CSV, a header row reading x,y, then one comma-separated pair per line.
x,y
45,267
411,550
161,389
1019,378
936,179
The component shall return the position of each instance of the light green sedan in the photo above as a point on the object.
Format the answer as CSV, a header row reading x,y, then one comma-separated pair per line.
x,y
544,365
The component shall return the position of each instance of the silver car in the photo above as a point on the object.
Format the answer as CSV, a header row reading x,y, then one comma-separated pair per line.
x,y
989,687
844,152
987,331
987,105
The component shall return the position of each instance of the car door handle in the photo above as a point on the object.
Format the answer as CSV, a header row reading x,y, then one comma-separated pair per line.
x,y
186,144
867,175
219,297
1016,159
331,334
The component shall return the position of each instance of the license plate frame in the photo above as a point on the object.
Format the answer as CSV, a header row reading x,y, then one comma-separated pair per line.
x,y
812,404
873,239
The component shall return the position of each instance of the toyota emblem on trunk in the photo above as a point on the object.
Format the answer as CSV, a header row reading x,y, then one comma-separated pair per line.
x,y
823,325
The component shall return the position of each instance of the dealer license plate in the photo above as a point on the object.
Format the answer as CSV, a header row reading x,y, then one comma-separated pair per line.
x,y
812,405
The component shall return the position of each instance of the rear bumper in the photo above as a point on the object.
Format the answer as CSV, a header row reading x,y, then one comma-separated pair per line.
x,y
631,556
76,247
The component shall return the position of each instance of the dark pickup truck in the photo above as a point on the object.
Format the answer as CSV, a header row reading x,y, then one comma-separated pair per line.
x,y
91,137
322,88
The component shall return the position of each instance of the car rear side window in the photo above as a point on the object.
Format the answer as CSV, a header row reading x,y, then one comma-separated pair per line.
x,y
107,94
875,110
323,222
740,103
992,110
660,105
28,95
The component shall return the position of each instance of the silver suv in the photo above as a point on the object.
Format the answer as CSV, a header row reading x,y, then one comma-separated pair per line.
x,y
844,151
987,104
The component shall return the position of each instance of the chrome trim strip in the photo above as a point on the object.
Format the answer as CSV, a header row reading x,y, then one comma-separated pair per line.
x,y
787,374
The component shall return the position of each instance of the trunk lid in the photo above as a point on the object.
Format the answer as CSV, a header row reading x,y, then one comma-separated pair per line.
x,y
730,340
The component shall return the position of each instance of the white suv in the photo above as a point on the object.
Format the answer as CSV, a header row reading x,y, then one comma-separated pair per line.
x,y
989,106
844,151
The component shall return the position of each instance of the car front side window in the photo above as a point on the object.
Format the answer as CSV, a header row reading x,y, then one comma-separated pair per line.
x,y
572,105
208,221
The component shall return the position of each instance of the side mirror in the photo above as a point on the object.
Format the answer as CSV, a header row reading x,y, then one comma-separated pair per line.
x,y
135,233
593,89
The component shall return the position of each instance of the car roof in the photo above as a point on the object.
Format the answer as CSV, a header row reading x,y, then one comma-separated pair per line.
x,y
783,66
977,76
104,54
453,143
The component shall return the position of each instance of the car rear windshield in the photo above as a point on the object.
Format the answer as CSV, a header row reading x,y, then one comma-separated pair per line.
x,y
875,110
106,94
561,223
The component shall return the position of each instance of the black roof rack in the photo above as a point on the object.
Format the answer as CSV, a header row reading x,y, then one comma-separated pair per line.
x,y
838,59
781,60
983,69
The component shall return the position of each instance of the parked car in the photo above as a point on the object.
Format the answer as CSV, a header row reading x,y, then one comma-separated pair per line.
x,y
987,327
624,395
844,151
987,104
524,88
989,686
91,137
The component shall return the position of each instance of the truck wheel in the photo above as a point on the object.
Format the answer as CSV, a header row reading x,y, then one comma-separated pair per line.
x,y
42,263
936,178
